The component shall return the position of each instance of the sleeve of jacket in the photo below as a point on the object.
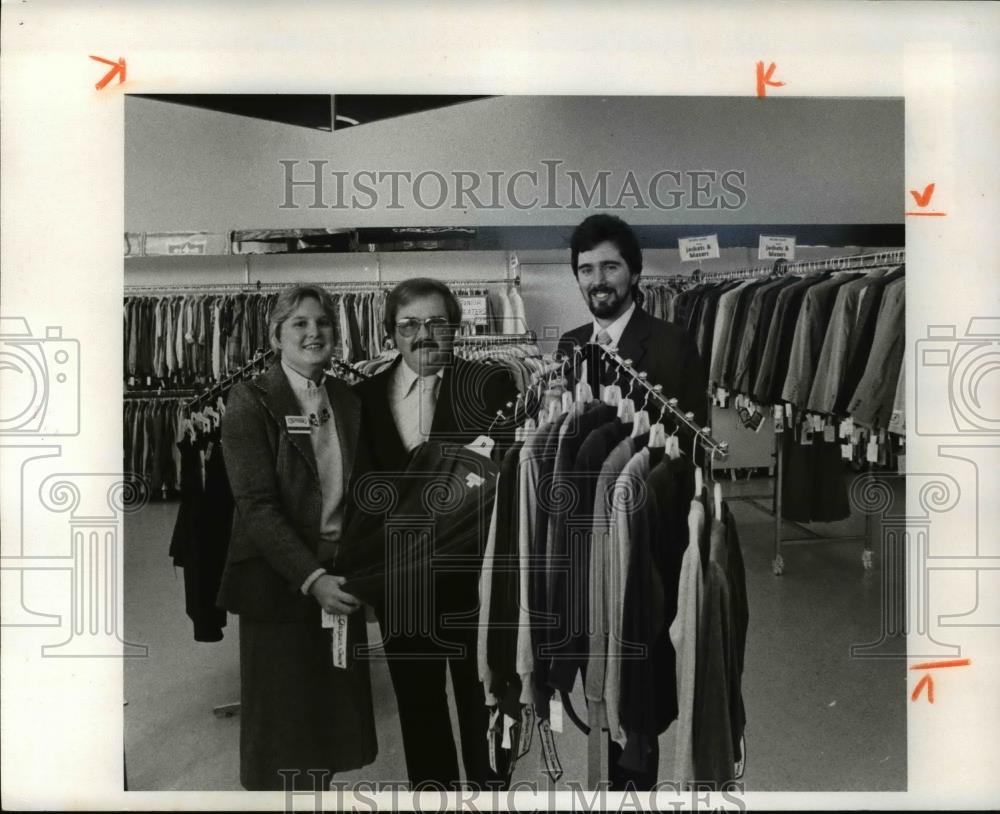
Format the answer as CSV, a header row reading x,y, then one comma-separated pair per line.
x,y
254,483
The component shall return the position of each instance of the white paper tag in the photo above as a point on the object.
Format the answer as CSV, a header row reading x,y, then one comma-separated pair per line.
x,y
339,640
789,417
556,714
845,451
779,418
508,722
829,433
483,445
872,451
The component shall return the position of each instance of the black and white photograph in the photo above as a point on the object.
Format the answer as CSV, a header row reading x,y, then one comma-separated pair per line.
x,y
514,440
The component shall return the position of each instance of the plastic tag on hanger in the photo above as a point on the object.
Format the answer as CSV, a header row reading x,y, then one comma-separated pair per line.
x,y
846,427
483,445
640,424
584,394
612,395
829,433
845,451
657,437
626,411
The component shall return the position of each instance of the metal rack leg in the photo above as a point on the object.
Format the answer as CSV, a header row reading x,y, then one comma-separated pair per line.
x,y
778,565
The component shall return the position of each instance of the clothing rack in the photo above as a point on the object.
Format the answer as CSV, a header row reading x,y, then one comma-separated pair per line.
x,y
853,262
528,337
850,262
336,285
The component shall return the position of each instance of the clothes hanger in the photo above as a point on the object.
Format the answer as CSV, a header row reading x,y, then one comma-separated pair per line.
x,y
613,393
583,393
640,420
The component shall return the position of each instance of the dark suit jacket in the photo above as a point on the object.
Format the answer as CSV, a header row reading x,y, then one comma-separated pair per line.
x,y
468,398
665,352
275,485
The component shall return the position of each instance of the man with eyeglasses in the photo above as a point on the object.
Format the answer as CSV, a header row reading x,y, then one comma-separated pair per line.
x,y
429,395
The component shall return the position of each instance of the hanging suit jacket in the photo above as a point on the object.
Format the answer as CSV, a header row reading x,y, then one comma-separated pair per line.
x,y
662,350
276,490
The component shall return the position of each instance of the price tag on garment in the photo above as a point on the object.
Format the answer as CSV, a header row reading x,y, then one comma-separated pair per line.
x,y
298,424
872,451
807,436
845,451
829,432
789,415
508,722
779,418
473,309
817,423
556,714
338,637
846,427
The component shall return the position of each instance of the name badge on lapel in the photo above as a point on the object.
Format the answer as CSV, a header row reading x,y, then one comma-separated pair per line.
x,y
298,424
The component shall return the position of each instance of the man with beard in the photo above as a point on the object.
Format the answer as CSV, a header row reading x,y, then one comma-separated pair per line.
x,y
429,395
607,264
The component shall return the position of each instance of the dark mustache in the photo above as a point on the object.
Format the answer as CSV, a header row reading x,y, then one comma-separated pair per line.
x,y
420,344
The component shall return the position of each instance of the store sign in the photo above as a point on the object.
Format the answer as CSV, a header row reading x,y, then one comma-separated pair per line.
x,y
698,248
774,248
473,309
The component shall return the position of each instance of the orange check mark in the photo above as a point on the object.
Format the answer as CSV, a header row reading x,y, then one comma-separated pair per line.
x,y
923,198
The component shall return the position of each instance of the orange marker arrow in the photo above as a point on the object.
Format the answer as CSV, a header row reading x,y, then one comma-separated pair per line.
x,y
764,79
117,68
923,198
926,681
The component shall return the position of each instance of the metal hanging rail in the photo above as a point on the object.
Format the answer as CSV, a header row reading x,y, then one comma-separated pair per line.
x,y
842,263
336,285
668,405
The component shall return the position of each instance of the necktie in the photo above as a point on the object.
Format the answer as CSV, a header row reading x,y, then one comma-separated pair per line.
x,y
604,339
425,385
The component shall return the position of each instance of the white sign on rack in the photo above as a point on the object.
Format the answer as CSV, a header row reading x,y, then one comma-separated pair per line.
x,y
698,248
473,309
773,247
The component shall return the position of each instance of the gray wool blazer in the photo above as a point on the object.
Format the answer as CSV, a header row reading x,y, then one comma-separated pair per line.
x,y
276,491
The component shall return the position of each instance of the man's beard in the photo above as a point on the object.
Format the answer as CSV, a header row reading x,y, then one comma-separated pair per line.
x,y
604,308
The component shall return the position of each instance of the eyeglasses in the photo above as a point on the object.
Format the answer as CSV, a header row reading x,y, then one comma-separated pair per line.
x,y
408,328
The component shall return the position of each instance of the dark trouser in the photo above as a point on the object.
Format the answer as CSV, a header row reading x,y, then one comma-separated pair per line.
x,y
417,665
623,779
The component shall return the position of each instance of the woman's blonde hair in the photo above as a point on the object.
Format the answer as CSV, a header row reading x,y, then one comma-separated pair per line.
x,y
288,300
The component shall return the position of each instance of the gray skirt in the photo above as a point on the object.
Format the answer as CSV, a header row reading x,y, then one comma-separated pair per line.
x,y
298,712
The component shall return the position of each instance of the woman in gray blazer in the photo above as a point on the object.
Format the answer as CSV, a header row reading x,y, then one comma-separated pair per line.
x,y
290,439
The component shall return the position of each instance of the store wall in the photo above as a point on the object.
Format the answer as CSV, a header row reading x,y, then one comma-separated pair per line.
x,y
804,161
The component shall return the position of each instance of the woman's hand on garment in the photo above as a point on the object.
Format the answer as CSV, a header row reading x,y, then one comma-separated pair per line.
x,y
331,597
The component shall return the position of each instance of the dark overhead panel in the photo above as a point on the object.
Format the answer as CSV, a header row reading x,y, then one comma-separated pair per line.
x,y
353,110
300,109
312,110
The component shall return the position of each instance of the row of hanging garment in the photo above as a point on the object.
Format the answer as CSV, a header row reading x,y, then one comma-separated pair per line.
x,y
605,560
659,296
821,355
505,310
198,338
